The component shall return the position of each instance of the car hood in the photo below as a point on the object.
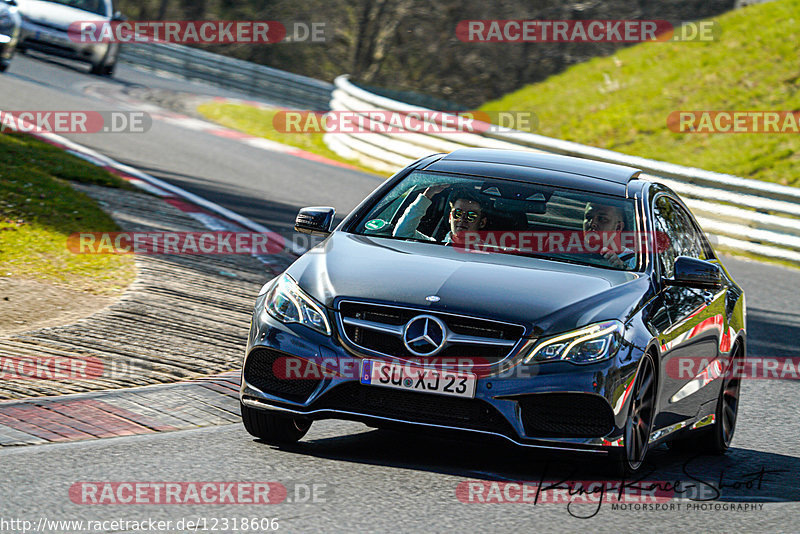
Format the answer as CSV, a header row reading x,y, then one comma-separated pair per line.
x,y
546,296
55,15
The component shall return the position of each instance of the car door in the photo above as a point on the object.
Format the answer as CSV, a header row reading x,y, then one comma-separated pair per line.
x,y
690,339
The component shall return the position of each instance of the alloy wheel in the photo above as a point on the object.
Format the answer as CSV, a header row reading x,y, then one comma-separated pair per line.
x,y
729,401
640,421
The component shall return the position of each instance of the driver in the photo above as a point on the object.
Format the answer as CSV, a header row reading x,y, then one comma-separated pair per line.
x,y
467,214
604,218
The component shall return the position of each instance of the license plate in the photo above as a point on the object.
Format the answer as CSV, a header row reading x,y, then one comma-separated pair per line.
x,y
411,378
51,38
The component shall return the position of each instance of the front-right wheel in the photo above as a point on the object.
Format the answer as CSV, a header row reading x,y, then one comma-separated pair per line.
x,y
716,438
273,428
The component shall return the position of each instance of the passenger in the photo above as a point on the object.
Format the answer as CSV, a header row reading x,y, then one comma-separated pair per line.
x,y
467,214
603,218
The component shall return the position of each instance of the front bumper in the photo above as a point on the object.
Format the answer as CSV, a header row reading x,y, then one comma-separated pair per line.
x,y
555,405
57,42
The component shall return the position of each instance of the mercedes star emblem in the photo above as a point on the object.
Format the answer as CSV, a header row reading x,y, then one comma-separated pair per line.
x,y
424,335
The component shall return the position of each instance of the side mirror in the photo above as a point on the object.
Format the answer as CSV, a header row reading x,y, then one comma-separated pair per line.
x,y
316,220
691,272
118,17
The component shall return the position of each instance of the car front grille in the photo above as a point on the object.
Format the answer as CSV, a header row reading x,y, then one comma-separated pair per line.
x,y
259,372
413,406
566,415
374,339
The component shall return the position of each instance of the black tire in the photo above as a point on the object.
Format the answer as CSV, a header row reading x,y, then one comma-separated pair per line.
x,y
717,438
5,63
102,70
273,428
639,424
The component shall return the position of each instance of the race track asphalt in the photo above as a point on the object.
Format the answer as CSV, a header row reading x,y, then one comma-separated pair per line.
x,y
377,481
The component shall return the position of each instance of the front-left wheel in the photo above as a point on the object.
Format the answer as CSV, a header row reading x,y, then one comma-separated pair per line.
x,y
102,70
641,416
273,428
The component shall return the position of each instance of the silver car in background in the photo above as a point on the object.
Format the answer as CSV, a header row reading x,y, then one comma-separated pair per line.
x,y
45,24
9,32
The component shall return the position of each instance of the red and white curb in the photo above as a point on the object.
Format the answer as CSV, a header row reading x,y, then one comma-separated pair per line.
x,y
203,402
210,128
211,215
165,407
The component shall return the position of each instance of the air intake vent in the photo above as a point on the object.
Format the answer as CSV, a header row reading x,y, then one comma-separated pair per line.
x,y
260,373
566,415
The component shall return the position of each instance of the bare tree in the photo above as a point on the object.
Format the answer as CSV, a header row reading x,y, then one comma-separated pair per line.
x,y
411,45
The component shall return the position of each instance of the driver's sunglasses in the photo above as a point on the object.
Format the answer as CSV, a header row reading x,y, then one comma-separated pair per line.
x,y
469,216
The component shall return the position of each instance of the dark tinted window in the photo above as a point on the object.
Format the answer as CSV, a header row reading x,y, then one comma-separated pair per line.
x,y
682,238
508,217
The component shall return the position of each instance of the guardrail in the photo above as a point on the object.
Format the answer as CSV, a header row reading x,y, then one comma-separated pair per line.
x,y
274,85
746,215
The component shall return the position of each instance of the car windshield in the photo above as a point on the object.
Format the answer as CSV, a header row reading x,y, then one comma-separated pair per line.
x,y
97,7
487,215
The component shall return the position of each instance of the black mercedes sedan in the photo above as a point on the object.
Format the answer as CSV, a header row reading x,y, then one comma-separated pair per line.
x,y
554,302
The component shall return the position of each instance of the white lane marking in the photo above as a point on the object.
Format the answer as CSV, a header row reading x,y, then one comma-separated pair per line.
x,y
266,144
213,207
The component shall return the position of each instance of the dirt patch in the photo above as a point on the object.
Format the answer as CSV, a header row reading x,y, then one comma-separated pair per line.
x,y
28,305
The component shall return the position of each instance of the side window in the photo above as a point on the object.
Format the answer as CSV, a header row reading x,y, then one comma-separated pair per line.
x,y
706,252
681,238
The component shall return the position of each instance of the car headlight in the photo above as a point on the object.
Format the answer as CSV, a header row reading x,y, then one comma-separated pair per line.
x,y
590,344
288,303
6,21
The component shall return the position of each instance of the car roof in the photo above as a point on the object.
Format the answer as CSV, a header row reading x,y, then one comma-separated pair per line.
x,y
538,167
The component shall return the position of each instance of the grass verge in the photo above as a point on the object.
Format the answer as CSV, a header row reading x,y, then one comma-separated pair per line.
x,y
258,122
39,210
622,102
